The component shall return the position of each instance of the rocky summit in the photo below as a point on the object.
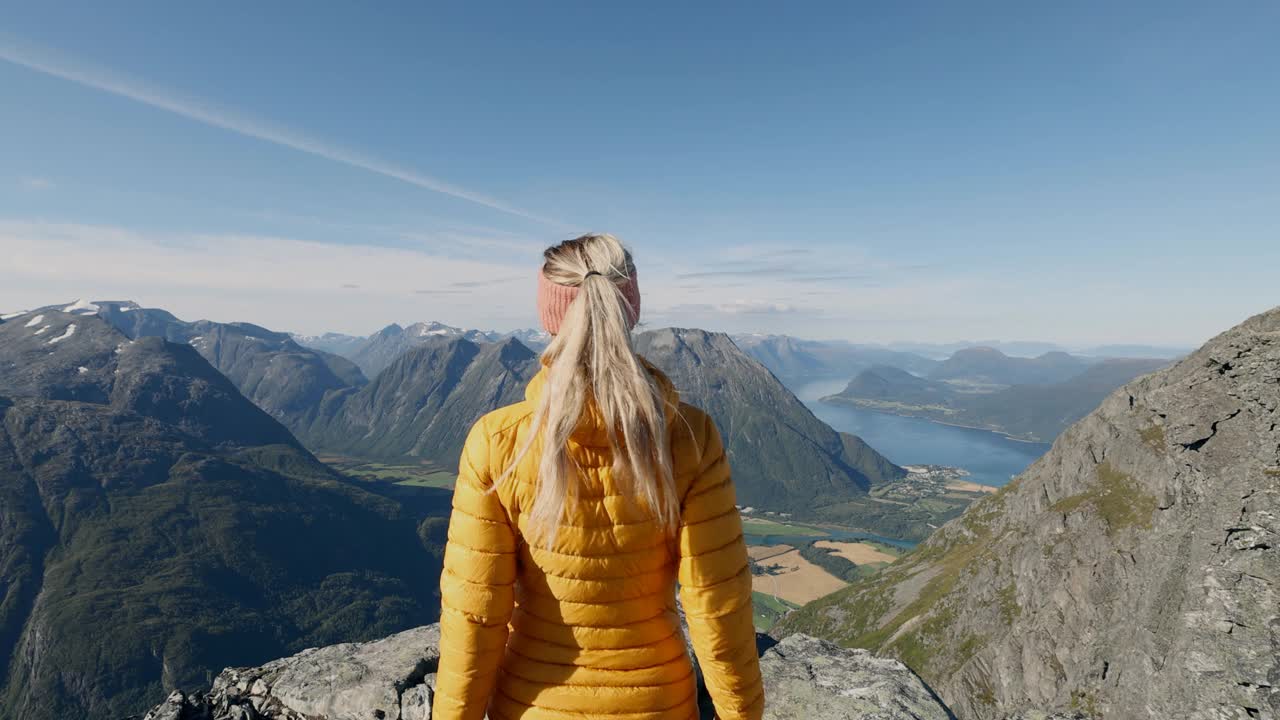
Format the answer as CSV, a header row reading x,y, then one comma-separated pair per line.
x,y
1132,572
393,678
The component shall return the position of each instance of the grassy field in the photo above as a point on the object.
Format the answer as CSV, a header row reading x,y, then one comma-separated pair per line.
x,y
758,526
410,473
437,480
863,552
769,609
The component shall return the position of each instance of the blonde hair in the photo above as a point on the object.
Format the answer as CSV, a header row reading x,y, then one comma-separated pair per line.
x,y
592,359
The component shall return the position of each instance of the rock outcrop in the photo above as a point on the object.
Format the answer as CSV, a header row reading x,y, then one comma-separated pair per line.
x,y
1133,572
392,679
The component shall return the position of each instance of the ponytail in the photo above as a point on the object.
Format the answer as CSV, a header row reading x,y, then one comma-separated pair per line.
x,y
592,359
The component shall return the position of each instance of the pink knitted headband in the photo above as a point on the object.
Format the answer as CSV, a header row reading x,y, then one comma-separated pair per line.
x,y
554,300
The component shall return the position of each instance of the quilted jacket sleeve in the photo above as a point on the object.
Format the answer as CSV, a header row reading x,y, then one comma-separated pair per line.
x,y
715,586
476,589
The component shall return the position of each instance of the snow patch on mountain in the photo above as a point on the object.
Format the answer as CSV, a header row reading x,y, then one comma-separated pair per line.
x,y
71,330
81,307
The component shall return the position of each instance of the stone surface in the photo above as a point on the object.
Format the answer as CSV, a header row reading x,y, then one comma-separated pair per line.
x,y
810,678
1132,572
392,679
388,679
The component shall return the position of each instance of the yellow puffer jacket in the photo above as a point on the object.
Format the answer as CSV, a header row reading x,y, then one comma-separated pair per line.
x,y
587,627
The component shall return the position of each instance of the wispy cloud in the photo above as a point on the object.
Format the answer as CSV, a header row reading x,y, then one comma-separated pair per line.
x,y
737,307
487,283
770,270
37,183
56,65
237,277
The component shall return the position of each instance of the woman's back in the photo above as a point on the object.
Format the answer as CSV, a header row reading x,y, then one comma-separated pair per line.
x,y
579,620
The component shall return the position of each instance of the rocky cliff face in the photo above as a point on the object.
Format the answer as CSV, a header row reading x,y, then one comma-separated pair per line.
x,y
393,679
1133,572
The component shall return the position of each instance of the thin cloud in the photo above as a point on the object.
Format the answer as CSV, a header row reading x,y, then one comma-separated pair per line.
x,y
350,286
37,183
193,109
734,273
833,278
485,283
739,307
786,252
774,271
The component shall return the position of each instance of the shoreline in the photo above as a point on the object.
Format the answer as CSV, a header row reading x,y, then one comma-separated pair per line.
x,y
837,400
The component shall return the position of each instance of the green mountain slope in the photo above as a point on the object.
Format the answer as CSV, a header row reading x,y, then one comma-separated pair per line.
x,y
156,526
425,401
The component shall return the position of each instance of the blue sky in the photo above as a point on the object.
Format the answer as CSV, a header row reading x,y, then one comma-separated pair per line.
x,y
1081,173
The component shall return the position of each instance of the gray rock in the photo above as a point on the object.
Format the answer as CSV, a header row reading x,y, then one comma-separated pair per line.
x,y
393,678
810,678
175,707
1036,715
1132,572
388,679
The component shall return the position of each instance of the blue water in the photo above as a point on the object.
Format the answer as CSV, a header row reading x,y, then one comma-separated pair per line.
x,y
990,458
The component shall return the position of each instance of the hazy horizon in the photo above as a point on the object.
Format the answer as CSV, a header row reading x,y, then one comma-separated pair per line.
x,y
1009,346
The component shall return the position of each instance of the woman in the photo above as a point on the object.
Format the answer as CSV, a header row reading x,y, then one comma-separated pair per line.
x,y
574,515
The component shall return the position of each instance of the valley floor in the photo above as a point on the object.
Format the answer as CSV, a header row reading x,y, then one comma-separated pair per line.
x,y
793,563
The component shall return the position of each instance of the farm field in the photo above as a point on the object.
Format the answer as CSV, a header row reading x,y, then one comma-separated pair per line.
x,y
860,553
408,473
789,576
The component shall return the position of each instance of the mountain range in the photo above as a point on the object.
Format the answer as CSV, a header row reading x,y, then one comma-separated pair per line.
x,y
159,520
785,459
1029,349
1029,399
287,380
162,516
420,405
424,402
1132,572
989,366
374,353
156,525
797,361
